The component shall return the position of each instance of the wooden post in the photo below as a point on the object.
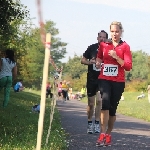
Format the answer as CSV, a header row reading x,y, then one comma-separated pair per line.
x,y
43,91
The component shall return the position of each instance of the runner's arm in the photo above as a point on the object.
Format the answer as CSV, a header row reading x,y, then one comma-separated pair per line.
x,y
99,57
98,63
14,72
86,57
127,65
85,61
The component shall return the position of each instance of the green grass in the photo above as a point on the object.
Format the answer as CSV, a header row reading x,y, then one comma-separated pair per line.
x,y
19,125
133,107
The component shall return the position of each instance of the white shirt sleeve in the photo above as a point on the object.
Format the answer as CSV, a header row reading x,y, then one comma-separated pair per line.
x,y
20,84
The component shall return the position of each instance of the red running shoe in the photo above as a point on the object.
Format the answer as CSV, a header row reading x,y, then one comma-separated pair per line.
x,y
107,140
101,140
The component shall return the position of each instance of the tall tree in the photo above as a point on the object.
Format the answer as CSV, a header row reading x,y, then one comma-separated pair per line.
x,y
74,67
11,15
32,66
140,68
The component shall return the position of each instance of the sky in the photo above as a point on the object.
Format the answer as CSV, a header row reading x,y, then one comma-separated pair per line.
x,y
79,21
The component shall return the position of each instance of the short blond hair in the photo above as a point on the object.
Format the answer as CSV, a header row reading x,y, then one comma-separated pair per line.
x,y
118,24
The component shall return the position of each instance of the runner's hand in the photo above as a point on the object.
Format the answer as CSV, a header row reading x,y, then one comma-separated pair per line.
x,y
98,65
112,53
92,61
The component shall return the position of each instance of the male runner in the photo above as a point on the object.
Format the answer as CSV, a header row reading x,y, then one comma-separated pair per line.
x,y
89,57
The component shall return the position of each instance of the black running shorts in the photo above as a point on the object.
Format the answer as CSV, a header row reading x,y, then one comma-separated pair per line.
x,y
111,93
92,87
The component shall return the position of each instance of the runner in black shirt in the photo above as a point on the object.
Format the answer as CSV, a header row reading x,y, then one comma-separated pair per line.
x,y
89,57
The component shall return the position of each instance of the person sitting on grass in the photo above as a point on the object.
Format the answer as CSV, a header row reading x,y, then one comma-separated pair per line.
x,y
18,86
36,108
141,96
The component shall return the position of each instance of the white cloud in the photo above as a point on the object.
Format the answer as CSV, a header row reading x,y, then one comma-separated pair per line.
x,y
140,5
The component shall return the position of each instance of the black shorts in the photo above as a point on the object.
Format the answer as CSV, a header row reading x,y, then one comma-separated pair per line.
x,y
59,93
111,93
64,93
92,87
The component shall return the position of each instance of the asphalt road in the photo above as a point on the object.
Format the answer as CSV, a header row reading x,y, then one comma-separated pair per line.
x,y
129,133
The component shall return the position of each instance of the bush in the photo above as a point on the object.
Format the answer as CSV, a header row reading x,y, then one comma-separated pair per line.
x,y
136,85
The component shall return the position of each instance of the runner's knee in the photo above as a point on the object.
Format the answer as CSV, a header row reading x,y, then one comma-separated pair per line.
x,y
105,101
91,102
105,105
112,111
113,108
98,103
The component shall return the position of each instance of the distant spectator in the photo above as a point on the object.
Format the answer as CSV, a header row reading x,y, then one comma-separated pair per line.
x,y
64,90
36,108
60,89
8,72
48,90
77,95
70,92
148,90
67,92
83,91
72,96
141,96
18,86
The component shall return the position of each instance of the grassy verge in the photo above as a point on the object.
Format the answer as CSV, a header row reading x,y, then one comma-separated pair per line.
x,y
19,125
133,107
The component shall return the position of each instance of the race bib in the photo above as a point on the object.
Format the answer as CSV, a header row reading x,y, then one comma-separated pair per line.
x,y
95,69
110,70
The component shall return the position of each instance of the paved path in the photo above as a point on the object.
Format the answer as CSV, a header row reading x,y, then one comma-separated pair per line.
x,y
129,133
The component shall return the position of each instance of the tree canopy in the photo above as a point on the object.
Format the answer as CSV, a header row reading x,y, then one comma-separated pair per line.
x,y
11,14
33,59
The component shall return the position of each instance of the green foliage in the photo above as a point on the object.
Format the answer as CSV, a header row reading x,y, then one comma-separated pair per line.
x,y
19,125
136,85
75,70
140,68
16,26
78,83
133,107
74,67
12,13
33,53
58,48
